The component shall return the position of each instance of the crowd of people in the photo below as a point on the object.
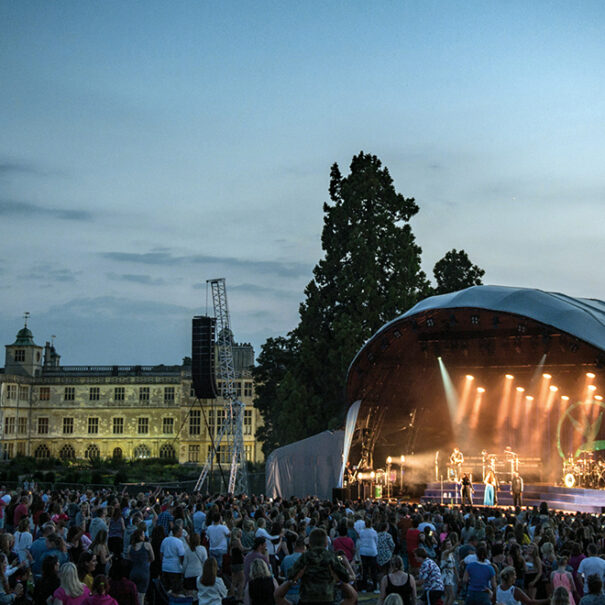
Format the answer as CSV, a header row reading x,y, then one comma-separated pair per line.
x,y
84,547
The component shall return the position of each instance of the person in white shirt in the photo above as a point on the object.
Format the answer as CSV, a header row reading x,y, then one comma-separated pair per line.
x,y
199,518
193,562
368,551
591,565
218,535
173,551
210,589
270,540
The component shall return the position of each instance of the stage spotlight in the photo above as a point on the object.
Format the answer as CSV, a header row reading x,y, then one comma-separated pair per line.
x,y
480,390
397,334
590,375
520,389
521,328
475,320
469,377
529,398
592,387
553,388
546,376
402,458
509,377
598,397
389,460
430,322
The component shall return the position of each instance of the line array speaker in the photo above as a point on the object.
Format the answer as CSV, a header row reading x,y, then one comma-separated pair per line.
x,y
202,357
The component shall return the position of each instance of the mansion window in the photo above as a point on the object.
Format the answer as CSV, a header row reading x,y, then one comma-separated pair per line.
x,y
247,422
144,394
143,427
42,451
42,428
224,454
68,426
92,452
238,389
21,448
194,453
168,426
216,419
9,425
118,426
70,393
247,389
20,355
142,451
248,453
44,393
93,426
11,391
168,394
21,426
95,394
118,394
67,452
167,451
23,393
194,422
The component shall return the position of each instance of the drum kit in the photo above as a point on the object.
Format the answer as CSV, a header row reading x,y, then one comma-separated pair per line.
x,y
584,471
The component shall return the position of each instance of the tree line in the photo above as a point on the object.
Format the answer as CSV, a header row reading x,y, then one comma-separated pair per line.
x,y
370,273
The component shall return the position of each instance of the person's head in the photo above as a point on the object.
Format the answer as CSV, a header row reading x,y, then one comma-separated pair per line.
x,y
318,538
562,562
50,566
236,534
482,551
99,585
209,572
508,575
194,540
177,531
393,599
259,569
595,584
68,574
420,554
87,562
299,545
24,524
120,569
260,545
101,537
396,563
560,596
591,549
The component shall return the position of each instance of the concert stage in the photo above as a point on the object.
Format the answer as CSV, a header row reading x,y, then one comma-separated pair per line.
x,y
572,499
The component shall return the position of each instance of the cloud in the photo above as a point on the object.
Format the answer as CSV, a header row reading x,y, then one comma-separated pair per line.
x,y
9,167
144,279
281,268
25,210
264,290
48,273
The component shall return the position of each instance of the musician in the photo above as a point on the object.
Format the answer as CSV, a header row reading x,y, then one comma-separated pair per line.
x,y
516,488
467,490
456,460
490,488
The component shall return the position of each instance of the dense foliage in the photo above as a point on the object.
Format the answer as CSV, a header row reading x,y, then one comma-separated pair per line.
x,y
370,273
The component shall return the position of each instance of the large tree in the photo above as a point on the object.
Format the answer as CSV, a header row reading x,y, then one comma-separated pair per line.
x,y
369,274
455,271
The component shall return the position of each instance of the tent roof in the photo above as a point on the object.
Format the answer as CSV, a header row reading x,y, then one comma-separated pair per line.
x,y
583,318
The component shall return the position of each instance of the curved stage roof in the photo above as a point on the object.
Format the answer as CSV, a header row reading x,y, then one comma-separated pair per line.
x,y
583,318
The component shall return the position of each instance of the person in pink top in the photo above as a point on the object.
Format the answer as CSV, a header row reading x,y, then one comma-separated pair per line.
x,y
562,577
71,591
100,587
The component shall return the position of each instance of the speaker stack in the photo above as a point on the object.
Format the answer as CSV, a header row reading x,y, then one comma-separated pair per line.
x,y
202,357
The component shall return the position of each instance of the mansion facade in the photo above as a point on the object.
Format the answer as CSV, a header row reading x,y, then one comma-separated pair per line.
x,y
91,412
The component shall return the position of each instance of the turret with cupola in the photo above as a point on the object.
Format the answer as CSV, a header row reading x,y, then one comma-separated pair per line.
x,y
24,356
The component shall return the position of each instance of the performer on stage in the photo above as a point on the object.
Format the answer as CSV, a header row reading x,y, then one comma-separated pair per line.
x,y
490,488
456,460
516,488
467,490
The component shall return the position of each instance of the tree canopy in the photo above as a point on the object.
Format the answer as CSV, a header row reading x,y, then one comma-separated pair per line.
x,y
370,273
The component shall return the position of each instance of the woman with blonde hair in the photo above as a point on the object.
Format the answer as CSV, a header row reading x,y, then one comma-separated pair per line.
x,y
560,596
71,591
262,584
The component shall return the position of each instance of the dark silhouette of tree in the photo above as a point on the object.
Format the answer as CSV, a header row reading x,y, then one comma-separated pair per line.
x,y
455,271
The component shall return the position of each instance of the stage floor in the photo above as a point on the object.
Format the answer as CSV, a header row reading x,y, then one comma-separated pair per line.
x,y
574,499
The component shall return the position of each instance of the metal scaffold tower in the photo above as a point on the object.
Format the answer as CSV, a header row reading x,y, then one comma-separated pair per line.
x,y
231,434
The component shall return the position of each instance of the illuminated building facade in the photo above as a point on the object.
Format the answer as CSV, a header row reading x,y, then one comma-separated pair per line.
x,y
90,412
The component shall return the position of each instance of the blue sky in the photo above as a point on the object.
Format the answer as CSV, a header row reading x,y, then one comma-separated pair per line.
x,y
149,146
